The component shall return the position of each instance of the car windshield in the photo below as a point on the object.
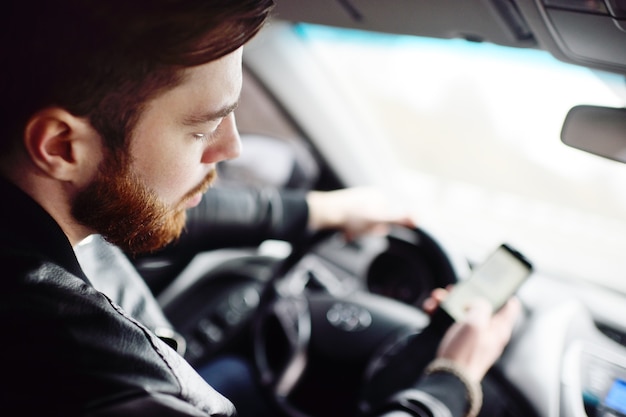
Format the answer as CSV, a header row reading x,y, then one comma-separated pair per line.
x,y
476,127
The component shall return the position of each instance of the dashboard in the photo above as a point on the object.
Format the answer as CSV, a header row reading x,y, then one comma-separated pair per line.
x,y
567,356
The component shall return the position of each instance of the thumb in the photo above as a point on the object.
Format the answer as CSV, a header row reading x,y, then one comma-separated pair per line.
x,y
478,312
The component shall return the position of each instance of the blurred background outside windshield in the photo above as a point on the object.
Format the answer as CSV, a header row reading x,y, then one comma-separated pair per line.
x,y
477,128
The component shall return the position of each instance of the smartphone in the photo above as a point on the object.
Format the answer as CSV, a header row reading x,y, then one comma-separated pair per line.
x,y
495,280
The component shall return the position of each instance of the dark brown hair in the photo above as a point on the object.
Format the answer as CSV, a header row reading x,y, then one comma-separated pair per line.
x,y
103,59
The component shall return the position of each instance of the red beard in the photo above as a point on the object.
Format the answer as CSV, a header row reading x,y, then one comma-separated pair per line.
x,y
120,207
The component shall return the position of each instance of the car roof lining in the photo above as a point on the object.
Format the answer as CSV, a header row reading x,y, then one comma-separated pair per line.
x,y
474,20
592,38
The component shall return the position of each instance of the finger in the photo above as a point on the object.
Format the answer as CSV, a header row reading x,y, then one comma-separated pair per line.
x,y
431,303
508,314
404,220
439,294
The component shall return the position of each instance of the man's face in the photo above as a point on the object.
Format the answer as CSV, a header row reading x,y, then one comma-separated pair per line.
x,y
138,201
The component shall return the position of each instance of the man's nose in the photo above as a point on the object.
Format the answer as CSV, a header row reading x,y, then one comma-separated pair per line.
x,y
227,145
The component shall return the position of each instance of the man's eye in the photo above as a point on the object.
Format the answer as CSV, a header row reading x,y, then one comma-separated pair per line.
x,y
204,137
212,131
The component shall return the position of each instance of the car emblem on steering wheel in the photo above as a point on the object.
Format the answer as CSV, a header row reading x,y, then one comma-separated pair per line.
x,y
348,317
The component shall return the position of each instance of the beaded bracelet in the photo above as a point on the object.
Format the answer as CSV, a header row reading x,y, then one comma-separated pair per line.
x,y
474,390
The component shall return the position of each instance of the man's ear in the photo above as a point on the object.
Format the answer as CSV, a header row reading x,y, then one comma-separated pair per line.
x,y
63,146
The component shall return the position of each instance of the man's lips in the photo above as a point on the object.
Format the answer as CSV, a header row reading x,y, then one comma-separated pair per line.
x,y
194,197
194,200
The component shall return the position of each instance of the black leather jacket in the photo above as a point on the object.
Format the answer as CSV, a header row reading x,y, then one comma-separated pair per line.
x,y
70,350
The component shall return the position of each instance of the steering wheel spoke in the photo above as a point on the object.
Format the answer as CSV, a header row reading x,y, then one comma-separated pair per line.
x,y
319,341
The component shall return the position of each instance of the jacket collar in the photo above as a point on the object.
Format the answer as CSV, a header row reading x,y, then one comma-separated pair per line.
x,y
28,228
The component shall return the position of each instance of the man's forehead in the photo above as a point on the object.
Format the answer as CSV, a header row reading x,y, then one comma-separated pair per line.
x,y
207,92
199,116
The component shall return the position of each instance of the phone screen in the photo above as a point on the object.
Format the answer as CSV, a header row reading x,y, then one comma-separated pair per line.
x,y
496,280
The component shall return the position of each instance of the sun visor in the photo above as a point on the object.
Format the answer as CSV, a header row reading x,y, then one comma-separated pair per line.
x,y
591,33
604,40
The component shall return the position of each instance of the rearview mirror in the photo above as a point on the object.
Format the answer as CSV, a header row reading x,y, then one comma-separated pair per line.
x,y
598,130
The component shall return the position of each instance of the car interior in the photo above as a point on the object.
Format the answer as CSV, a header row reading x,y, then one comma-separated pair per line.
x,y
328,317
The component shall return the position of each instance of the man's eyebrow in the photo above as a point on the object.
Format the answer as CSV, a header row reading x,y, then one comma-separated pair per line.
x,y
199,118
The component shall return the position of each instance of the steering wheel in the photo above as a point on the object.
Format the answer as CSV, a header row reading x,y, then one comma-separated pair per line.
x,y
322,350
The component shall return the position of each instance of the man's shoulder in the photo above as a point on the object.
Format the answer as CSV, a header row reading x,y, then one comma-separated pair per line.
x,y
24,270
59,328
37,294
72,348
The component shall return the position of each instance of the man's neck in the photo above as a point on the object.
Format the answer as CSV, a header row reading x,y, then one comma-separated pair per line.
x,y
54,198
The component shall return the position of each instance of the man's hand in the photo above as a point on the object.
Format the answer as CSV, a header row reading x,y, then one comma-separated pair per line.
x,y
356,211
478,341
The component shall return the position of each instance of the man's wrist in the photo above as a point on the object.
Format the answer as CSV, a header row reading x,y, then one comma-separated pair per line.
x,y
473,388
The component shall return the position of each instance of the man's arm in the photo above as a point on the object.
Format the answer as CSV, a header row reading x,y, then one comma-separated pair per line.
x,y
246,216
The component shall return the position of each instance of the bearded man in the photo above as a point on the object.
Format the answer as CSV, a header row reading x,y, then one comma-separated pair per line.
x,y
114,116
